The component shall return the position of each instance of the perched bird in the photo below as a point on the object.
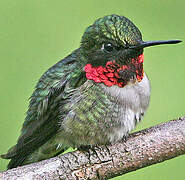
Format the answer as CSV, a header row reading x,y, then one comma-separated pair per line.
x,y
95,96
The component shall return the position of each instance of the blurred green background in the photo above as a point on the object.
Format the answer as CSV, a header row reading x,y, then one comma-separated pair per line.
x,y
36,34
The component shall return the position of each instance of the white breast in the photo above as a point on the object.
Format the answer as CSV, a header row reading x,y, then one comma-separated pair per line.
x,y
133,100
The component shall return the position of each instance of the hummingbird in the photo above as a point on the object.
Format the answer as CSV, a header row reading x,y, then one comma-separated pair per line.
x,y
94,96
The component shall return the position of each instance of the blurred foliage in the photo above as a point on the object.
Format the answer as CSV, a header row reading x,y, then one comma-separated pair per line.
x,y
36,34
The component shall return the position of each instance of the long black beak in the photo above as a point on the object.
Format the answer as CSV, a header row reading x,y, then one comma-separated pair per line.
x,y
144,44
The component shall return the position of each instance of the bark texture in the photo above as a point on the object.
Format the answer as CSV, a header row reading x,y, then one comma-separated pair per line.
x,y
141,149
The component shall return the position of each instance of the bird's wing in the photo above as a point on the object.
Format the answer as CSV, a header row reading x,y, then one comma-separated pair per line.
x,y
42,120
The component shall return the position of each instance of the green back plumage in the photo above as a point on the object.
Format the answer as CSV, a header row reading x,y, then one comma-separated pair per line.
x,y
42,120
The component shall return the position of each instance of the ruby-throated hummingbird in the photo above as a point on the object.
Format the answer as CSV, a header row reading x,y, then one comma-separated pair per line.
x,y
94,96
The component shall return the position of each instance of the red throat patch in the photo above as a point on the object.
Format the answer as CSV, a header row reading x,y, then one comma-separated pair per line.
x,y
111,74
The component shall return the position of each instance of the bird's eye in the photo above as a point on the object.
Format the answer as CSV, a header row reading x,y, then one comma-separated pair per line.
x,y
107,47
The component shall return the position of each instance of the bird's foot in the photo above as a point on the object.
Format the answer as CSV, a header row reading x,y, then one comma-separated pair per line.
x,y
84,148
124,138
90,149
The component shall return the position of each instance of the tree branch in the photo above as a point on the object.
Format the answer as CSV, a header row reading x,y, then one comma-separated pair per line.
x,y
141,149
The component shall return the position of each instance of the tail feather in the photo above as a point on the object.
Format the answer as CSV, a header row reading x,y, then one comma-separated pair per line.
x,y
14,162
18,159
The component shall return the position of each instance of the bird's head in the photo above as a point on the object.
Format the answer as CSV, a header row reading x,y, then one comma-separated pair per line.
x,y
113,50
